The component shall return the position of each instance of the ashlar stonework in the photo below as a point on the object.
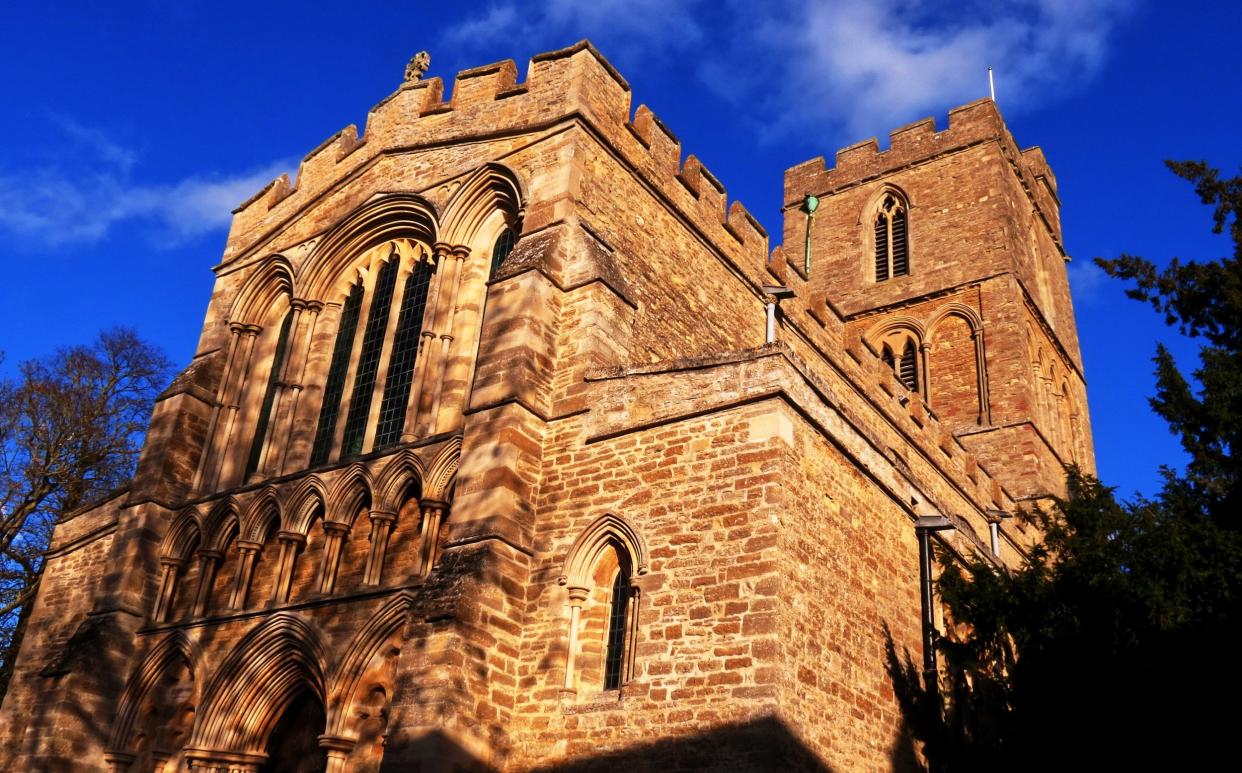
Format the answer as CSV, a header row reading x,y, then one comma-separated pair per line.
x,y
485,461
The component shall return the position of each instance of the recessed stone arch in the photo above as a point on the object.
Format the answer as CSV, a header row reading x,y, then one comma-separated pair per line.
x,y
263,291
384,218
156,711
489,189
247,696
955,374
401,472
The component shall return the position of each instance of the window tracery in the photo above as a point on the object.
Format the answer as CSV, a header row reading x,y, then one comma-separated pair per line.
x,y
892,243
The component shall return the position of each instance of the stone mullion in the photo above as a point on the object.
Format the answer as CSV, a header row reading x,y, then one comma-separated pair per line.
x,y
208,564
291,543
422,367
168,587
577,597
335,535
446,337
235,331
381,528
245,572
386,347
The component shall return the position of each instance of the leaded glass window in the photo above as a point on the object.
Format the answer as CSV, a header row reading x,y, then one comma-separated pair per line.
x,y
369,359
404,353
502,248
335,386
614,657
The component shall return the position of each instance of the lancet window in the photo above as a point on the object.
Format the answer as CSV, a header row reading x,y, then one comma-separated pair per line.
x,y
335,386
368,361
502,248
892,243
900,350
404,353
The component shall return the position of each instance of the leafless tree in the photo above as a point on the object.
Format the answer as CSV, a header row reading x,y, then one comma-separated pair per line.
x,y
71,427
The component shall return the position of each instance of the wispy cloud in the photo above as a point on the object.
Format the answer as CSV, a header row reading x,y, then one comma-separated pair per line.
x,y
51,206
627,28
870,65
1087,281
857,66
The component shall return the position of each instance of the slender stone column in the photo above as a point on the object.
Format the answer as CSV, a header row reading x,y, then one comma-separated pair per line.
x,y
245,572
925,353
232,405
447,336
291,543
985,411
577,597
631,638
335,535
213,422
168,587
381,527
433,517
208,563
424,368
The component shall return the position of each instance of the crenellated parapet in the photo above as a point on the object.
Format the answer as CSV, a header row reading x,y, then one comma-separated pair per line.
x,y
488,102
919,142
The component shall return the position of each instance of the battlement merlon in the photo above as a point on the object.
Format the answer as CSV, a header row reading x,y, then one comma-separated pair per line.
x,y
972,124
488,101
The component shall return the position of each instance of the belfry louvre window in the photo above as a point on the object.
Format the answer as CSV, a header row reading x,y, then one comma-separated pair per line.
x,y
892,243
908,368
404,353
335,386
369,359
269,395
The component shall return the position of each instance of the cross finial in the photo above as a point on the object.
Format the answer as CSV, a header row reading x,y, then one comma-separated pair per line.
x,y
417,66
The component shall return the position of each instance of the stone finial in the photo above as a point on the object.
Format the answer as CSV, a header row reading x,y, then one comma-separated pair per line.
x,y
417,66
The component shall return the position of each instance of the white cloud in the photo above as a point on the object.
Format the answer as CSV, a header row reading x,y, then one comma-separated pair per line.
x,y
858,66
50,206
871,65
1086,281
626,28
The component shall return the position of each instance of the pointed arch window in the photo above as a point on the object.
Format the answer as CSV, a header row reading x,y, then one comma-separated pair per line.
x,y
892,243
502,248
335,386
404,353
369,359
269,396
899,350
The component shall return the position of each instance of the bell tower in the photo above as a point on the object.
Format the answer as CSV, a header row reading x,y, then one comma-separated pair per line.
x,y
944,255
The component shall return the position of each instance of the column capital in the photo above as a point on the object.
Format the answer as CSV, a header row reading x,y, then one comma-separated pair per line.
x,y
337,743
336,527
293,537
209,554
382,515
237,328
246,545
461,251
433,504
578,594
172,562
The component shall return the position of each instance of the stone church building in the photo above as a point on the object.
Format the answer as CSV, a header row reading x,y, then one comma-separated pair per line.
x,y
510,444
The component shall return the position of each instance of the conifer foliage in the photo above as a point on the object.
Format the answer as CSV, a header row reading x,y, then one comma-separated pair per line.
x,y
1113,646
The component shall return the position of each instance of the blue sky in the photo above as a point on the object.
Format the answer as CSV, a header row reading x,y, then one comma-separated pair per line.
x,y
133,128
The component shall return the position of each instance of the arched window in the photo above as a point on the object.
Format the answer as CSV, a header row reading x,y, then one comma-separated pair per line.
x,y
603,602
892,244
905,366
502,248
269,395
335,386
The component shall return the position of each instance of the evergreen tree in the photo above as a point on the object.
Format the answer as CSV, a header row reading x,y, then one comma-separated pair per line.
x,y
1112,645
